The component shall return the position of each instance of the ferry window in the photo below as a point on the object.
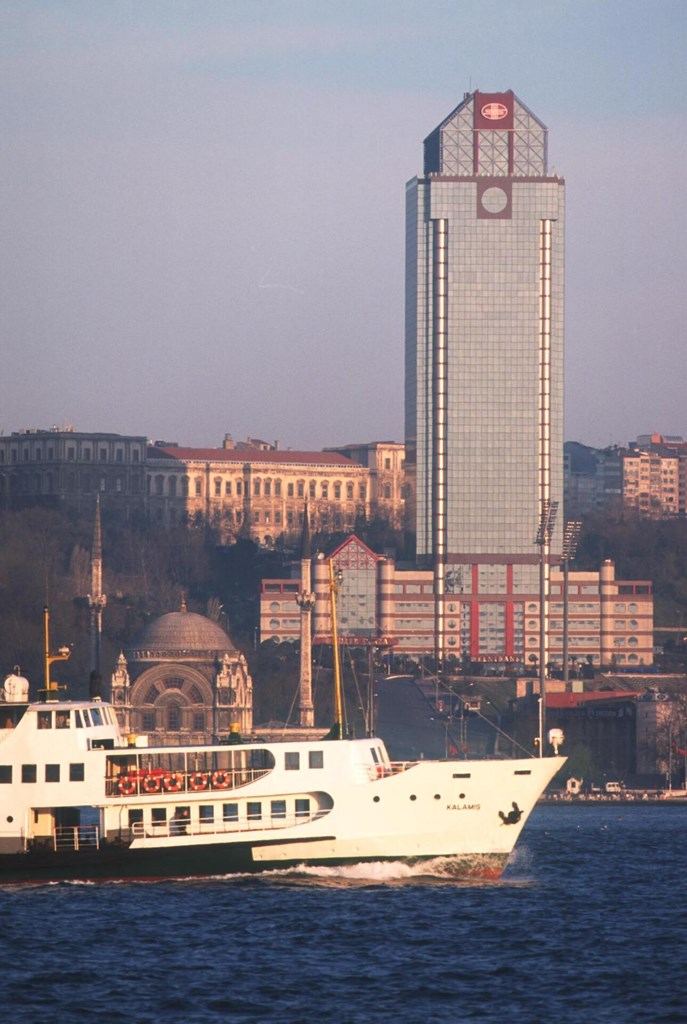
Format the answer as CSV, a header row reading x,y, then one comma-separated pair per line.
x,y
62,720
302,807
45,719
206,814
135,816
86,718
52,773
77,772
292,761
77,716
5,773
96,717
278,808
316,759
230,812
29,773
254,810
158,815
374,755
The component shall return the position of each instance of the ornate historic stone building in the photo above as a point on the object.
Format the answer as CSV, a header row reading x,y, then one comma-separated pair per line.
x,y
257,494
183,681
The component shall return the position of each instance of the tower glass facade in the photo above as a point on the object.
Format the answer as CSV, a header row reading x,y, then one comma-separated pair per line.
x,y
484,359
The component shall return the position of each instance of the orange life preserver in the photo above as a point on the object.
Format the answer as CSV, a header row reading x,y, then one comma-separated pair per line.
x,y
173,782
221,779
127,785
151,784
198,781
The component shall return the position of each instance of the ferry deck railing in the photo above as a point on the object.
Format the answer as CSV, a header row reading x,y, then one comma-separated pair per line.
x,y
78,837
174,828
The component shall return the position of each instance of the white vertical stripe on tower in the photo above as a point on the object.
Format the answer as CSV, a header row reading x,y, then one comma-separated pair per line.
x,y
545,247
439,423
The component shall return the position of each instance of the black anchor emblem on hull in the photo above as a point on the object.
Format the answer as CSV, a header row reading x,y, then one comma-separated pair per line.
x,y
513,817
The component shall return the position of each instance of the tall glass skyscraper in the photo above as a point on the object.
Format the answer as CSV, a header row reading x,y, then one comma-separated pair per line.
x,y
484,371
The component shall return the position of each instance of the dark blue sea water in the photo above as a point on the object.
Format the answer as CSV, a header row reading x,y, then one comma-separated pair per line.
x,y
588,924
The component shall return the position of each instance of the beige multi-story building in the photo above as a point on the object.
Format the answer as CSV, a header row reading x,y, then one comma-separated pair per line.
x,y
246,488
385,461
651,482
610,621
258,494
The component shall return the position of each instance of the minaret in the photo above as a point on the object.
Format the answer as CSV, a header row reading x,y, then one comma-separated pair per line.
x,y
96,602
306,602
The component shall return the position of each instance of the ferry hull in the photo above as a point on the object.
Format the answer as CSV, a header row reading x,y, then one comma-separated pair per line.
x,y
217,859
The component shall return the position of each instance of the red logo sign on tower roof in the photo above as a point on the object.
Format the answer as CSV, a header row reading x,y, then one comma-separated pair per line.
x,y
494,111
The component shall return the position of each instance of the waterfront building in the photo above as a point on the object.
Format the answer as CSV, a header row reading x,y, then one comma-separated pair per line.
x,y
484,370
610,621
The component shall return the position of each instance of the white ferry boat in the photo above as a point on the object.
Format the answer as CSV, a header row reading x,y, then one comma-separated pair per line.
x,y
79,800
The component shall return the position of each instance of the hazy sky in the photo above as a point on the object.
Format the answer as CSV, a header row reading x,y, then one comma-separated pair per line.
x,y
202,206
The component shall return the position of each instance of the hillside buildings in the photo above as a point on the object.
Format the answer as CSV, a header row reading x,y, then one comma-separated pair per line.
x,y
647,478
67,467
249,489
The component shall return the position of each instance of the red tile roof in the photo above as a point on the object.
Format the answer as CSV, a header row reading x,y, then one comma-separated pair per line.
x,y
250,455
575,700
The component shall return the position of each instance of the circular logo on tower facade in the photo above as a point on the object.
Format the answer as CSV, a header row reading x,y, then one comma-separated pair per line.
x,y
494,111
494,200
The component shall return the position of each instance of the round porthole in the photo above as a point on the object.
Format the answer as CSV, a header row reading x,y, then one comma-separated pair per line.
x,y
461,796
376,799
413,797
437,796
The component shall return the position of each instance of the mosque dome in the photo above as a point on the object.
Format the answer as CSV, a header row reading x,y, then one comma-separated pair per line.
x,y
180,635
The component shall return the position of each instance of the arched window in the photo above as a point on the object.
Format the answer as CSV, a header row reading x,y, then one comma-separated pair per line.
x,y
159,484
324,487
172,487
268,488
257,487
184,486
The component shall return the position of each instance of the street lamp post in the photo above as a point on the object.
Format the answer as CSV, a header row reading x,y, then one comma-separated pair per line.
x,y
571,536
547,522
